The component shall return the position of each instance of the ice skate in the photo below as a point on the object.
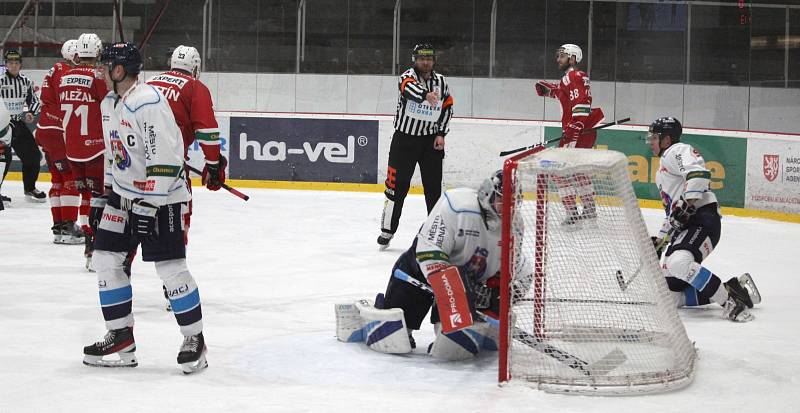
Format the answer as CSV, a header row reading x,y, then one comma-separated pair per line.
x,y
383,240
192,355
118,342
71,234
56,233
36,196
742,295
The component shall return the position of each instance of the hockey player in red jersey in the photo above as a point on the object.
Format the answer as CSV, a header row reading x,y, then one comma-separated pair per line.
x,y
190,101
64,197
80,92
577,118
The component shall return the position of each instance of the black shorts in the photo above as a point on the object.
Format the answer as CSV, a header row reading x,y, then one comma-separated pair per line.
x,y
114,232
701,235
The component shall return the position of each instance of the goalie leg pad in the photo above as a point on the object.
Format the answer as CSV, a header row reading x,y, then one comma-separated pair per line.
x,y
463,344
452,299
384,330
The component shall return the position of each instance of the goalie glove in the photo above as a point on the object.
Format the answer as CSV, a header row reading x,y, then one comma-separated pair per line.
x,y
214,174
544,88
682,212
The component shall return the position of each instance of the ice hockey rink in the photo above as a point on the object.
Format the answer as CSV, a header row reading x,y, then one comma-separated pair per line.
x,y
270,271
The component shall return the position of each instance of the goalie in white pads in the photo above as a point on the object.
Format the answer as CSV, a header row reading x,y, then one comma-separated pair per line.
x,y
452,265
693,223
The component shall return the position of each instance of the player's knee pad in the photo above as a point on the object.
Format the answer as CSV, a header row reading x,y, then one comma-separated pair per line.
x,y
107,261
463,344
175,275
681,264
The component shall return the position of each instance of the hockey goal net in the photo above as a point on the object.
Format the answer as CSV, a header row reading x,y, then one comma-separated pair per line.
x,y
584,307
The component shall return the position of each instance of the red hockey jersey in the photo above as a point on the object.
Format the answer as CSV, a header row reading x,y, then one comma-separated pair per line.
x,y
191,104
575,95
52,116
80,92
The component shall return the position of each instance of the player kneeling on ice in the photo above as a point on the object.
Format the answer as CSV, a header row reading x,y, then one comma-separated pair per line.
x,y
452,265
144,204
693,224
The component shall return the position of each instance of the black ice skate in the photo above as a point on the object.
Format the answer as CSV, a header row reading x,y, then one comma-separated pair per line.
x,y
118,342
71,234
56,233
383,240
36,196
742,296
192,355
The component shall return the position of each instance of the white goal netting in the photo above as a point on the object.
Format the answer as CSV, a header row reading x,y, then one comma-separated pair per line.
x,y
587,309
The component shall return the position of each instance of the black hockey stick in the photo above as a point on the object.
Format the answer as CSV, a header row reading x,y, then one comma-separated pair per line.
x,y
606,364
228,188
525,148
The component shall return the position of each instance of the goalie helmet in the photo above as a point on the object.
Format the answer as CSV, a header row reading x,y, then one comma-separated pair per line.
x,y
423,49
89,45
489,194
570,49
186,58
69,49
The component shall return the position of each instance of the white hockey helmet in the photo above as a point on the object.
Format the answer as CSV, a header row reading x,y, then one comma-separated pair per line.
x,y
89,45
186,58
570,49
69,49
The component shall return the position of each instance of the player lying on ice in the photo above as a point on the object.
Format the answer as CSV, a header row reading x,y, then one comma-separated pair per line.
x,y
692,227
453,265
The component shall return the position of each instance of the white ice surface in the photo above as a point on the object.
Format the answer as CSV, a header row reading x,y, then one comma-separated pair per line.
x,y
270,271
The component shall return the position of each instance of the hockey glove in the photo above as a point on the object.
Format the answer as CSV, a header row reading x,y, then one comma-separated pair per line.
x,y
544,88
682,212
214,174
97,203
143,220
573,132
659,244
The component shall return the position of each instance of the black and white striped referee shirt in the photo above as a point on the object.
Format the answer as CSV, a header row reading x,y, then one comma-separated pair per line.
x,y
18,93
414,115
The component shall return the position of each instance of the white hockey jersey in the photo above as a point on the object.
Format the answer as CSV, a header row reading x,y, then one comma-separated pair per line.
x,y
683,173
455,234
143,147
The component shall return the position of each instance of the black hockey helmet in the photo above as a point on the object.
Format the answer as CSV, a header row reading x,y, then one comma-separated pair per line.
x,y
666,125
423,49
125,54
11,54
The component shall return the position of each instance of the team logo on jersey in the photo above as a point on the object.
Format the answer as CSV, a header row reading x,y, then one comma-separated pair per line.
x,y
771,167
121,157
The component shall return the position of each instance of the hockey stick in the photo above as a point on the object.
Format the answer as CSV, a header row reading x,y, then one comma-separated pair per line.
x,y
606,364
228,188
524,148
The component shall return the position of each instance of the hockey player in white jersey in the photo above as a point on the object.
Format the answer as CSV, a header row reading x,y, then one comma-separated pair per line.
x,y
692,227
452,265
145,197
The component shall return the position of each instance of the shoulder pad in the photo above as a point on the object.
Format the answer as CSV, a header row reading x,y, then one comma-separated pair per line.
x,y
144,95
462,200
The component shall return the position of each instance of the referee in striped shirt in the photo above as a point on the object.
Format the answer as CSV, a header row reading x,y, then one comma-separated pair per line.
x,y
20,98
424,109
